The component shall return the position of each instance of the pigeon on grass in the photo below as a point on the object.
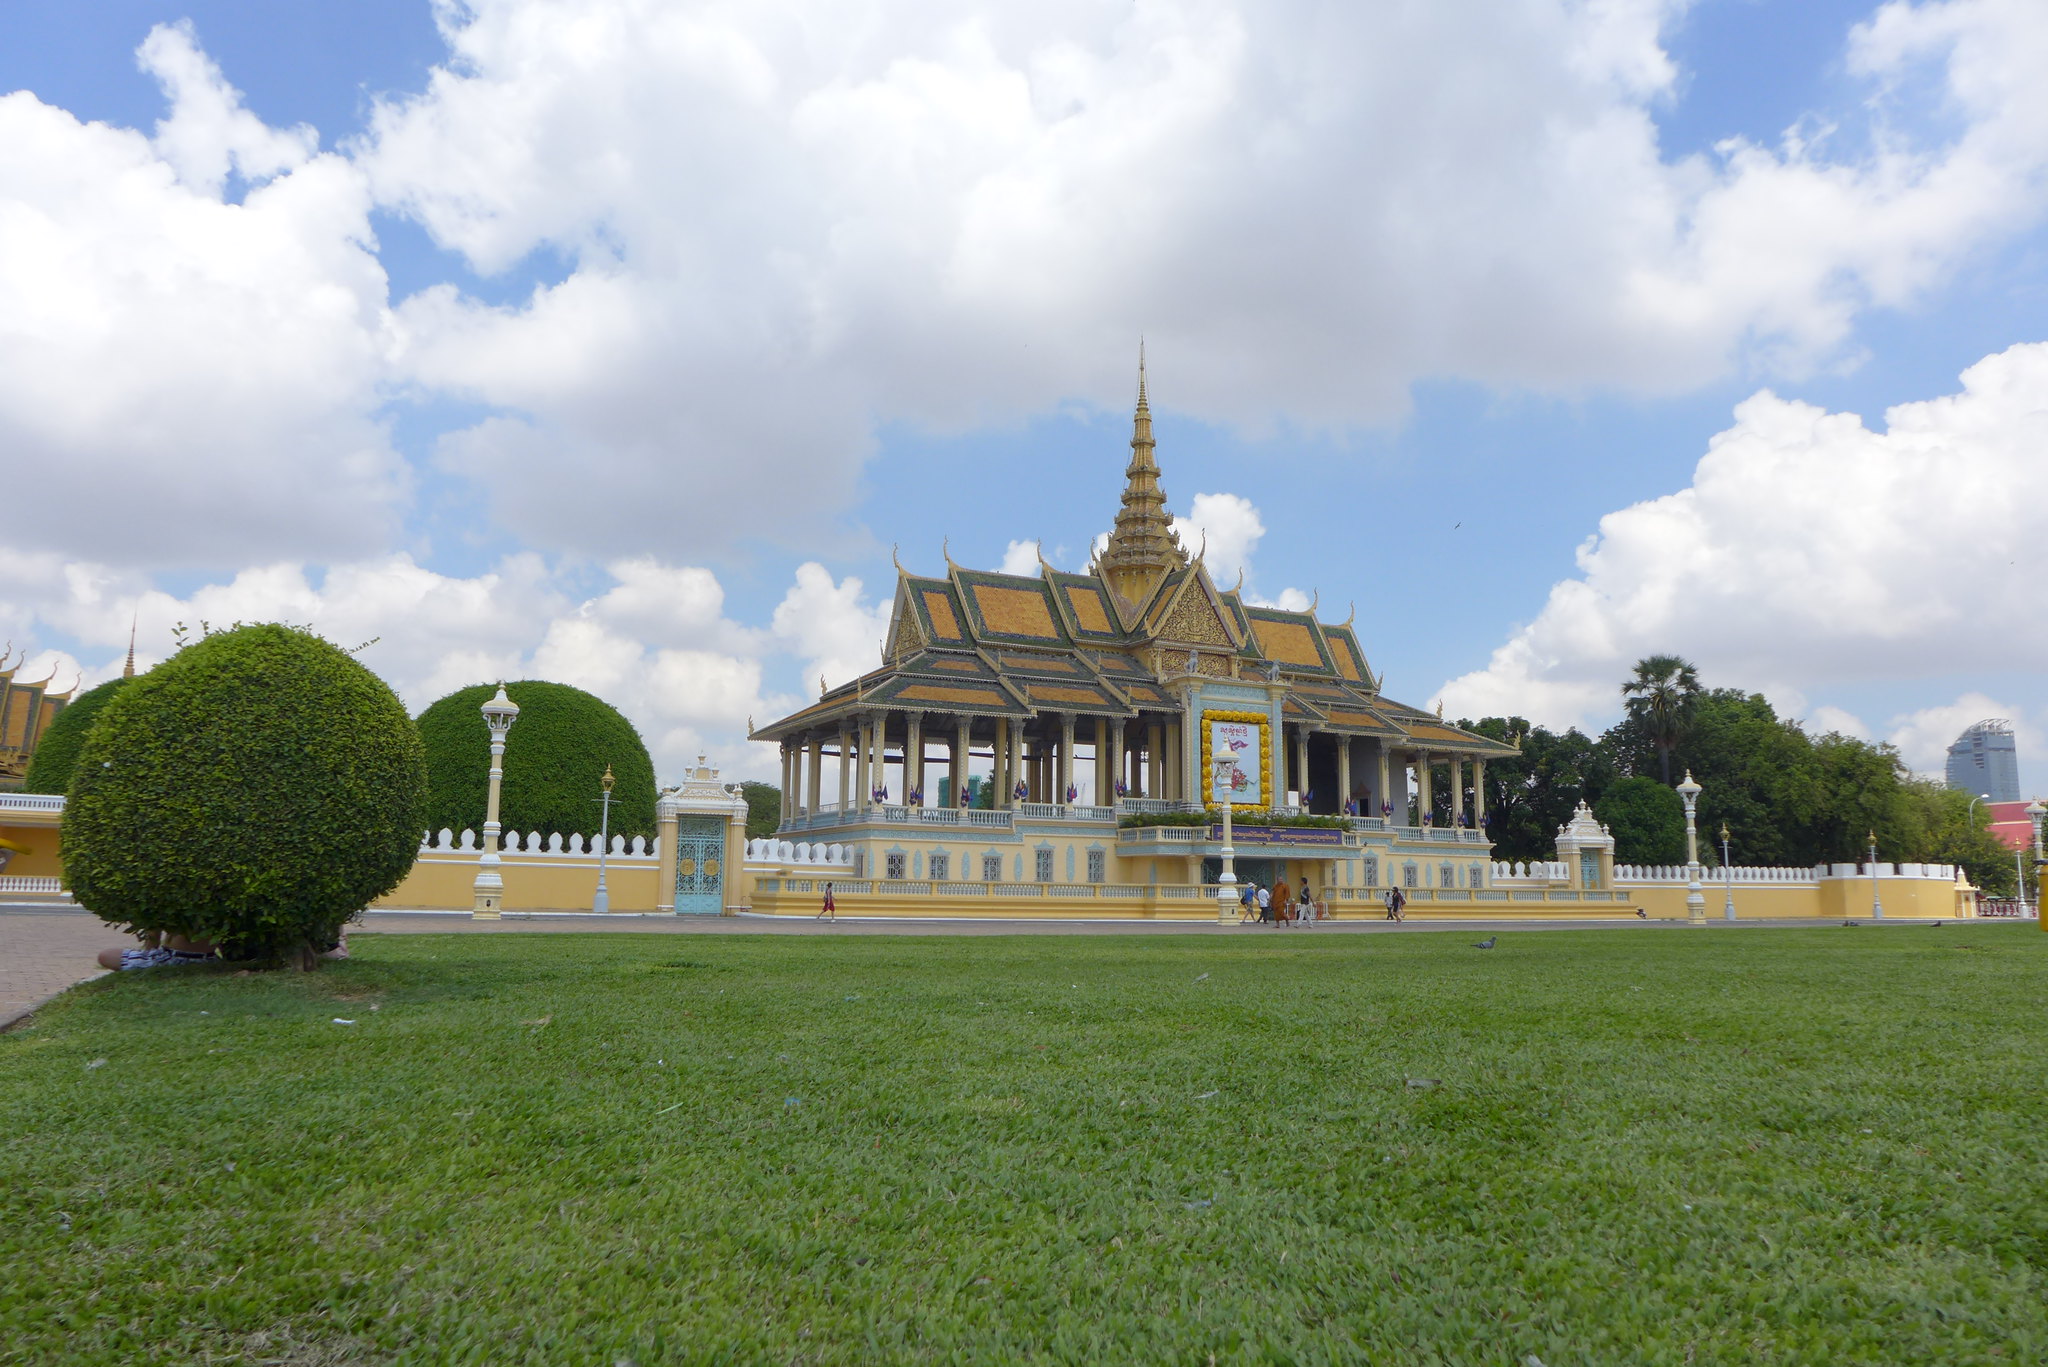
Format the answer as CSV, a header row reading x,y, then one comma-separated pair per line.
x,y
1486,943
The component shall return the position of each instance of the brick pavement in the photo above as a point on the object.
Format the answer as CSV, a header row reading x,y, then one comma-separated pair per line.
x,y
44,952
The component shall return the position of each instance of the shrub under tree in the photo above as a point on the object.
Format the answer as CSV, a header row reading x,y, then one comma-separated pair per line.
x,y
1646,819
258,789
555,756
56,756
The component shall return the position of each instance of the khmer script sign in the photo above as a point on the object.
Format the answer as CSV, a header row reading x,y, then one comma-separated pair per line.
x,y
1240,740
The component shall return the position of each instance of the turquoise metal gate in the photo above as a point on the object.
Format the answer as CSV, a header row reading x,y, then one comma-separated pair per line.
x,y
700,866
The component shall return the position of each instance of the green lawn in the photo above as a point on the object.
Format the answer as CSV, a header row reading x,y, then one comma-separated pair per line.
x,y
1640,1146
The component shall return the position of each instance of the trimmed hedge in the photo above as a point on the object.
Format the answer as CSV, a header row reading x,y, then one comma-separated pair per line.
x,y
555,756
50,768
258,789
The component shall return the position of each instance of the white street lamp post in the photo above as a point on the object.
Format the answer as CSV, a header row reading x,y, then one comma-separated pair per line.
x,y
2037,810
602,902
1727,875
1876,896
1695,897
1225,789
499,714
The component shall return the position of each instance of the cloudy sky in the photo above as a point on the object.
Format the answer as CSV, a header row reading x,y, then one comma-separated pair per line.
x,y
618,341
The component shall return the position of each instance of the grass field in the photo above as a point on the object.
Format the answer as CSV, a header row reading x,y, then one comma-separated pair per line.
x,y
1651,1146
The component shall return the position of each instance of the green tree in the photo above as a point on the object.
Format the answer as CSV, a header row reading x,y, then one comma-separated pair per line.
x,y
50,768
764,808
1529,795
258,789
1646,819
555,758
1953,830
1659,698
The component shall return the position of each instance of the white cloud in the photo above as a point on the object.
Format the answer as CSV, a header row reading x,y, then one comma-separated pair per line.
x,y
1923,736
1020,557
806,218
655,642
1809,551
185,379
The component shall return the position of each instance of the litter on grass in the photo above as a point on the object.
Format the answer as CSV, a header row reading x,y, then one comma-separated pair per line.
x,y
1205,1096
793,1101
339,1021
1203,976
1200,1205
97,1063
1422,1084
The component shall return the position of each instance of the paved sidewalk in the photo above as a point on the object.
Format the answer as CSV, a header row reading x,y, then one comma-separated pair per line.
x,y
46,948
42,952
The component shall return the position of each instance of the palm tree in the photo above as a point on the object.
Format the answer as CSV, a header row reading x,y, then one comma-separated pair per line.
x,y
1661,694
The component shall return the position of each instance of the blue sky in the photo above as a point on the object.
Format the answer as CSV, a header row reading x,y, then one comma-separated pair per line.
x,y
761,303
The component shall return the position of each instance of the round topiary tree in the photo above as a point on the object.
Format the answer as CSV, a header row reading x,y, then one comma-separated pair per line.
x,y
257,789
1647,820
49,769
555,757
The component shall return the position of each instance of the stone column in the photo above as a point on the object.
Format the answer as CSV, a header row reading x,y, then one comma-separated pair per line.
x,y
1120,759
1457,789
1343,773
1479,793
1176,763
1155,759
999,765
814,787
1017,769
665,839
845,763
1385,786
1066,754
962,756
1105,774
1425,791
1300,774
913,756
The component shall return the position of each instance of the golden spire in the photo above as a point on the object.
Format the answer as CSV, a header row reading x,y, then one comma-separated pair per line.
x,y
128,670
1142,547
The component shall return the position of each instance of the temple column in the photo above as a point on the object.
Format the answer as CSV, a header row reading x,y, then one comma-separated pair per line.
x,y
1385,787
1066,755
913,757
1176,763
1343,774
999,757
845,762
1016,761
1479,792
1155,759
962,754
1425,794
1299,777
878,771
1457,766
1105,793
814,764
1119,758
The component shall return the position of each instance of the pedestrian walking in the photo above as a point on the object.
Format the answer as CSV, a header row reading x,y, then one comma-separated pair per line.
x,y
830,911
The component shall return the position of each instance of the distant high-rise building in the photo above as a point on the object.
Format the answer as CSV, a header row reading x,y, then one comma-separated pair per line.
x,y
1984,761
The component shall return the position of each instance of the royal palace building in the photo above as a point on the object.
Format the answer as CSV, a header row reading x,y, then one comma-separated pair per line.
x,y
1074,712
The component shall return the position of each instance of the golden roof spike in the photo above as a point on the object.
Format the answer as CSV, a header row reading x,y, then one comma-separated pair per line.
x,y
946,549
1351,616
1141,371
1238,587
1439,709
893,548
821,688
1315,603
1046,568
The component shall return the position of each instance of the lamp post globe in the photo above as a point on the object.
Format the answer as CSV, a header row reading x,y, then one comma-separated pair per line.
x,y
1223,789
489,893
1695,896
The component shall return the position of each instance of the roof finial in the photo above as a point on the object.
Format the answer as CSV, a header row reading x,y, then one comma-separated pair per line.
x,y
128,670
1141,371
1316,604
894,547
1352,615
946,549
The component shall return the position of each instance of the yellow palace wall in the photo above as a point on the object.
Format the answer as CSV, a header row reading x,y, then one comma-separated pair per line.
x,y
45,857
543,881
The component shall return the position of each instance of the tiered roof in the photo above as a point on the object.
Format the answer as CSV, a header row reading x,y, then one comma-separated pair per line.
x,y
1110,642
